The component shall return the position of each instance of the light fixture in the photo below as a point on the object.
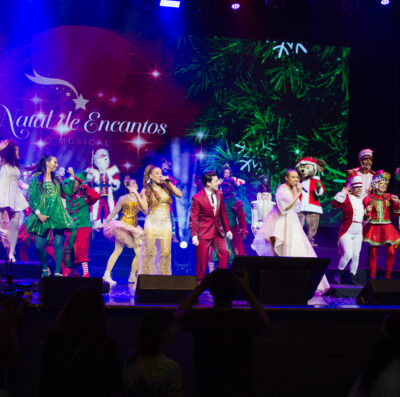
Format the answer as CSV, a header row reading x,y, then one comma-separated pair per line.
x,y
170,3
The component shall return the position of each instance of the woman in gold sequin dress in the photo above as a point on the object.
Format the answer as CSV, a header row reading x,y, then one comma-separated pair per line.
x,y
125,232
155,255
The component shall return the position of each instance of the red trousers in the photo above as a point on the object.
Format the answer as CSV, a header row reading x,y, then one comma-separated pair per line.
x,y
80,245
203,251
373,256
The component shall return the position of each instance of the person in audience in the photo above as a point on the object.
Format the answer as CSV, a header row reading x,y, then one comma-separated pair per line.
x,y
222,336
381,377
11,311
147,371
79,358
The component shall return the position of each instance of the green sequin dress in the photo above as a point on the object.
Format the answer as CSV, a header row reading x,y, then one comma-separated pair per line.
x,y
48,202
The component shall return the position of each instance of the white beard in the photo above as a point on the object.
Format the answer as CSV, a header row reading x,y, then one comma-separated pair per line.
x,y
102,164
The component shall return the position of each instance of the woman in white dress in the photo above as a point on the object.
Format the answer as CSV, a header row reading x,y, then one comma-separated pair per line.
x,y
12,201
281,234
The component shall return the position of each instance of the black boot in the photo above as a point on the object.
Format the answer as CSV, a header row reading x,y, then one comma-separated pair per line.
x,y
355,280
338,276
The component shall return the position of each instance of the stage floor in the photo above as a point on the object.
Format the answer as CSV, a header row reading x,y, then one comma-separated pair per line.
x,y
122,295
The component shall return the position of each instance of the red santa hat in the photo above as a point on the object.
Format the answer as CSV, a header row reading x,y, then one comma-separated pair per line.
x,y
308,160
365,153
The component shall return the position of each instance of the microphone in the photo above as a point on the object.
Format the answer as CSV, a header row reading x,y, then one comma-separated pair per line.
x,y
304,189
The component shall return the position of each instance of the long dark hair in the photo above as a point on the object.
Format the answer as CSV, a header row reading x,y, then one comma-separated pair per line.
x,y
9,154
41,168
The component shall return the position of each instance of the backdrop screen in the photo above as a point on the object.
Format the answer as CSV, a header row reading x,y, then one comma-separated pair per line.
x,y
201,102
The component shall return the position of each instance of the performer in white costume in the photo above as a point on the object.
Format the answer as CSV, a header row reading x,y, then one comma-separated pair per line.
x,y
350,234
262,206
281,234
105,180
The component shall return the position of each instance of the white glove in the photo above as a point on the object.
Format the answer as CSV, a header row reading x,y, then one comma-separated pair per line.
x,y
195,241
229,235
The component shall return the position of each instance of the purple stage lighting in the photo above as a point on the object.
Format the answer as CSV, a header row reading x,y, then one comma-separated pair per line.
x,y
170,3
385,2
235,6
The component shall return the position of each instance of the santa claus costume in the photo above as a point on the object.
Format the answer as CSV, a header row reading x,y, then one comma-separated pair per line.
x,y
364,171
350,233
105,181
379,229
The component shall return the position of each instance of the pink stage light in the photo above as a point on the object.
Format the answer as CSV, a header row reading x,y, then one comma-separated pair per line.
x,y
235,6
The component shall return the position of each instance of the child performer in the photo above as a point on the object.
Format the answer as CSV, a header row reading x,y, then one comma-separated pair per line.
x,y
76,245
126,231
350,233
379,230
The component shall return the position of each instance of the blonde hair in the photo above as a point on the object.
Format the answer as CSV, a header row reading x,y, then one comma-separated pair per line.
x,y
152,196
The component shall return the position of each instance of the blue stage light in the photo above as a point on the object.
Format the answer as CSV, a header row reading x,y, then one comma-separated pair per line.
x,y
170,3
385,2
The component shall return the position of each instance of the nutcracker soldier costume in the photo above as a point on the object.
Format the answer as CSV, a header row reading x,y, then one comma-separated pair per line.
x,y
364,171
76,244
379,230
236,217
350,233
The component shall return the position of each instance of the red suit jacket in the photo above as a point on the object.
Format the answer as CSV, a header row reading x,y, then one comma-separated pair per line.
x,y
203,222
347,209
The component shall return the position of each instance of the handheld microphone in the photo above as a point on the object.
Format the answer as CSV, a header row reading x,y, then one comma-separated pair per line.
x,y
304,189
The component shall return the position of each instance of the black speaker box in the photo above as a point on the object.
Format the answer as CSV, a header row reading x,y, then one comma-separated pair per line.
x,y
54,291
281,280
380,292
284,286
163,289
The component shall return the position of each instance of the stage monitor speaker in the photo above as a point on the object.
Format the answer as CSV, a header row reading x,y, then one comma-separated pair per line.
x,y
282,280
54,291
163,289
380,292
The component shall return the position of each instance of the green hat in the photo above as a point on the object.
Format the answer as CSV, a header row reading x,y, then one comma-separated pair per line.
x,y
81,177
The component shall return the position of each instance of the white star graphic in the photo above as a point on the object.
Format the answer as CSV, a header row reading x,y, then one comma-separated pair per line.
x,y
80,102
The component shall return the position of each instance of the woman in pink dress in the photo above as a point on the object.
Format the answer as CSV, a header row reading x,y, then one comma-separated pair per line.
x,y
12,201
281,234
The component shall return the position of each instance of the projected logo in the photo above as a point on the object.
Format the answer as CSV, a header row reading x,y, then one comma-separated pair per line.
x,y
85,86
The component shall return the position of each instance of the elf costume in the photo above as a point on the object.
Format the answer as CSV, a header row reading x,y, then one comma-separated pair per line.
x,y
76,245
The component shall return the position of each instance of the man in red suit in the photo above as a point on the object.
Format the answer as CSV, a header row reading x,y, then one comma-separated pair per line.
x,y
208,224
350,234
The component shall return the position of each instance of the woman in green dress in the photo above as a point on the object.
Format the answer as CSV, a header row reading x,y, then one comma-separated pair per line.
x,y
48,212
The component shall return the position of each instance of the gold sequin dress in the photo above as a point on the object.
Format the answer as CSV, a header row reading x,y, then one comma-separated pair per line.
x,y
155,255
126,231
